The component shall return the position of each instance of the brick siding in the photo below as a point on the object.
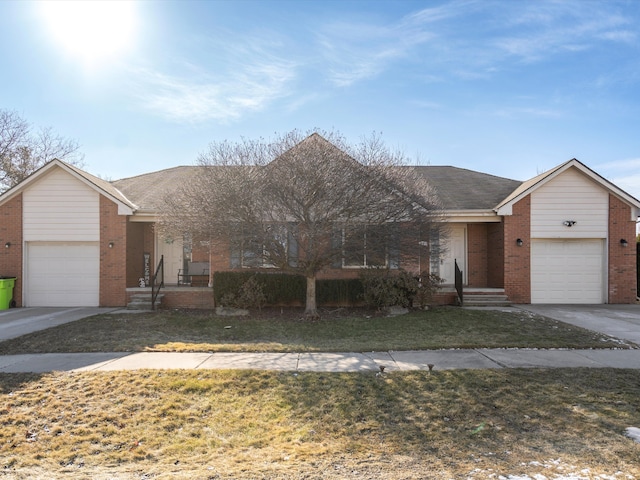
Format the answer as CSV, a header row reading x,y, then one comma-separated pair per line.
x,y
477,259
495,255
113,261
622,260
139,241
517,260
181,297
11,232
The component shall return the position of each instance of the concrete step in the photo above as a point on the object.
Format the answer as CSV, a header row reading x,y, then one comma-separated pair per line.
x,y
487,298
473,302
142,301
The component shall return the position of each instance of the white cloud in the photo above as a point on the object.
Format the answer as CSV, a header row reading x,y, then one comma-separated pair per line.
x,y
246,75
528,112
627,164
182,99
543,29
358,51
467,40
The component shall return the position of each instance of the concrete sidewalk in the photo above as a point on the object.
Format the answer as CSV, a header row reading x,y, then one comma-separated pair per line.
x,y
324,362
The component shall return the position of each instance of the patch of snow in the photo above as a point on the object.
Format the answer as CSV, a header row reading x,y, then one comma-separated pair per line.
x,y
633,433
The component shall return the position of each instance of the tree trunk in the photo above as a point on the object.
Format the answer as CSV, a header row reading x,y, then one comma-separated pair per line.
x,y
311,311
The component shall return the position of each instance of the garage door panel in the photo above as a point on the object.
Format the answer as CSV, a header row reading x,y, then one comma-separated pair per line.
x,y
567,271
63,274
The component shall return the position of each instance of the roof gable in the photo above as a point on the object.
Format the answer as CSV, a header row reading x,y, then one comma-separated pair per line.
x,y
505,207
315,146
125,206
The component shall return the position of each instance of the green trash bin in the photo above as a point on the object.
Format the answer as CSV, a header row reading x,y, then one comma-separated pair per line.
x,y
6,291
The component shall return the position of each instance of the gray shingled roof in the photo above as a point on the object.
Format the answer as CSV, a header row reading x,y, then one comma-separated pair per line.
x,y
459,189
149,189
104,185
462,189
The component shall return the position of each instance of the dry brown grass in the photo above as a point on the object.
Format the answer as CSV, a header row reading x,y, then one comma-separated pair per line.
x,y
242,424
338,331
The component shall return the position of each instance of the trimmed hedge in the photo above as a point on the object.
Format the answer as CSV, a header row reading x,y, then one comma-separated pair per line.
x,y
339,292
286,289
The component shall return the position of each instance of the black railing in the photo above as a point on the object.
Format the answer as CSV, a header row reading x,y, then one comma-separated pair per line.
x,y
459,283
154,282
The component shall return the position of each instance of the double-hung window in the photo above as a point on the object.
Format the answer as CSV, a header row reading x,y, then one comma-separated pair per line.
x,y
365,246
263,250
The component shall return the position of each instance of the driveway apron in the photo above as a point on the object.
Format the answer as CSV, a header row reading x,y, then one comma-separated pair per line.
x,y
16,322
618,321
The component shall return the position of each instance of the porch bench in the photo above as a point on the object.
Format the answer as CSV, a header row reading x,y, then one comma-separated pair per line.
x,y
196,274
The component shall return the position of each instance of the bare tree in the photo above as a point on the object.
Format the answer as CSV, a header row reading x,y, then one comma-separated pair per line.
x,y
302,205
23,150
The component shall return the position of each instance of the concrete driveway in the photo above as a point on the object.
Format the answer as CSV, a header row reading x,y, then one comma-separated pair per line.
x,y
619,321
15,322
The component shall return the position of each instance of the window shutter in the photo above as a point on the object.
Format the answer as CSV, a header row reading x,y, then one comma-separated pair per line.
x,y
336,246
235,248
292,247
235,255
434,251
394,246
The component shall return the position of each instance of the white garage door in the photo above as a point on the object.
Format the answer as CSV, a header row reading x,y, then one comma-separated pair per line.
x,y
62,274
567,271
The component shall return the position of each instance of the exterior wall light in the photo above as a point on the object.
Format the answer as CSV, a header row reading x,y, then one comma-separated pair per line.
x,y
624,243
7,245
569,223
519,242
110,244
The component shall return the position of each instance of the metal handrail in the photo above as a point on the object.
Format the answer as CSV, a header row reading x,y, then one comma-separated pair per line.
x,y
154,292
458,281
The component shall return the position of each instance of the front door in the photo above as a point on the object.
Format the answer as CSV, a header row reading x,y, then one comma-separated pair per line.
x,y
172,252
454,250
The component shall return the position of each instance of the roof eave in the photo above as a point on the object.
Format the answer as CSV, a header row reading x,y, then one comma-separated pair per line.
x,y
124,207
506,206
471,216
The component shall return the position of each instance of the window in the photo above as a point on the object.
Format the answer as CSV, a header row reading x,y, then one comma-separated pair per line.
x,y
364,246
255,251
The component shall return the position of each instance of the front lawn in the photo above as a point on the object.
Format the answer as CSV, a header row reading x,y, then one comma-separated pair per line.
x,y
282,331
473,424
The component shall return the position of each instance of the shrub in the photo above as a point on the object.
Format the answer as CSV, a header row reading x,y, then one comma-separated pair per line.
x,y
383,288
339,291
428,285
278,288
284,289
249,295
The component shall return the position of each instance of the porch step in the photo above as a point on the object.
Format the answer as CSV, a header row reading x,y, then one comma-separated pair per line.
x,y
142,301
494,297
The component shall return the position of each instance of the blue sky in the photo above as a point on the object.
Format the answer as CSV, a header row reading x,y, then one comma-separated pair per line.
x,y
510,88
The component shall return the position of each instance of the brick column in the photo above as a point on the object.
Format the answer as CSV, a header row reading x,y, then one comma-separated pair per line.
x,y
477,255
113,260
517,259
11,232
622,260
